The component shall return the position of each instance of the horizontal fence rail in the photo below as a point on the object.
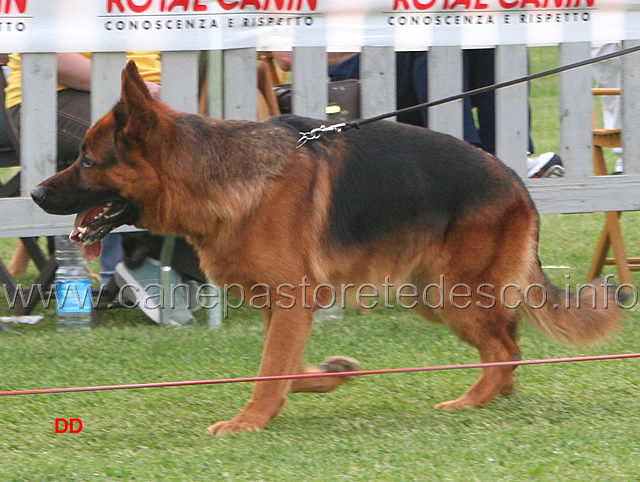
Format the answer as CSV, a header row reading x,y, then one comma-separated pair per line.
x,y
579,191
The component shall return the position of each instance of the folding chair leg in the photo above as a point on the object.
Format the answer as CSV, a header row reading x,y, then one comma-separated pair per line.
x,y
8,283
600,255
35,253
617,242
46,277
611,234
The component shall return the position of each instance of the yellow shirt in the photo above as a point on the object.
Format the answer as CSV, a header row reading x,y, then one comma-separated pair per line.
x,y
148,65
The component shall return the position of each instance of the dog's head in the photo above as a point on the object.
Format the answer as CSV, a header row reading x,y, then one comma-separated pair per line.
x,y
114,180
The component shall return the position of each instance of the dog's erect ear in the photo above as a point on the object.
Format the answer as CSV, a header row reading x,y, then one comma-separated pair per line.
x,y
136,102
133,87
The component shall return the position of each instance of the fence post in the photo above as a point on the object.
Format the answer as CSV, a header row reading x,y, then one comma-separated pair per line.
x,y
240,84
378,86
38,118
310,86
444,71
631,109
106,72
576,103
512,107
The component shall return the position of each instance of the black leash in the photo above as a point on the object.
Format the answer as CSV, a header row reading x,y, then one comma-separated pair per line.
x,y
344,126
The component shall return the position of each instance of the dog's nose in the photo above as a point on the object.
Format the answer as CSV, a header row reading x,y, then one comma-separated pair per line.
x,y
39,194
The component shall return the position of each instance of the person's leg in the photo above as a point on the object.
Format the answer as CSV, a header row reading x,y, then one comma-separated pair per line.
x,y
5,141
112,254
608,73
74,112
411,86
74,120
479,72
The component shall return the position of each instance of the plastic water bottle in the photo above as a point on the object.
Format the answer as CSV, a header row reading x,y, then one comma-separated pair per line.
x,y
73,287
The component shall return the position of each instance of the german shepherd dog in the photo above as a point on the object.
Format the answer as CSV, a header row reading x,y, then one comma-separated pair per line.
x,y
386,203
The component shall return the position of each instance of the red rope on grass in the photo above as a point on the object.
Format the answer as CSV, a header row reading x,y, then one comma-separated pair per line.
x,y
316,375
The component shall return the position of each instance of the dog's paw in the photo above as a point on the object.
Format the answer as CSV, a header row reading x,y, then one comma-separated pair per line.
x,y
340,363
454,405
231,426
509,388
334,364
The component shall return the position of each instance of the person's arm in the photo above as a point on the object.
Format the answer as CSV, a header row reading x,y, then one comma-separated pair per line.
x,y
333,58
74,70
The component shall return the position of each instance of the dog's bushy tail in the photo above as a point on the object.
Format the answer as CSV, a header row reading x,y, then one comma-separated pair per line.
x,y
587,313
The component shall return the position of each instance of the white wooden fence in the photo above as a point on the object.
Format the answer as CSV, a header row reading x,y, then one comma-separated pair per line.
x,y
232,95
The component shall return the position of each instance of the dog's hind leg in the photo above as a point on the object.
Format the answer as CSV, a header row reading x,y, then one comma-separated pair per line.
x,y
493,380
510,341
492,331
488,255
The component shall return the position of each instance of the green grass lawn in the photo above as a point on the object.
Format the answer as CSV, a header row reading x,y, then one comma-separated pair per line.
x,y
575,421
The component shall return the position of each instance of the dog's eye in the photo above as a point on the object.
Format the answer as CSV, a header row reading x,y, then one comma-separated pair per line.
x,y
87,162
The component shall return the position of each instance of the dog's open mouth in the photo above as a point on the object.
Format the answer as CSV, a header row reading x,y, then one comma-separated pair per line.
x,y
93,224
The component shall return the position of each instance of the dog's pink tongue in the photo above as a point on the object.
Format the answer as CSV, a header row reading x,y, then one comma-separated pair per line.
x,y
91,251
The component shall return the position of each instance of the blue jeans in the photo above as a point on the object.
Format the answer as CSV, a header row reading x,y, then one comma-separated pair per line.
x,y
112,254
4,133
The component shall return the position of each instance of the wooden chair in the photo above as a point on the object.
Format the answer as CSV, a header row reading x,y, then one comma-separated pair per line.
x,y
611,236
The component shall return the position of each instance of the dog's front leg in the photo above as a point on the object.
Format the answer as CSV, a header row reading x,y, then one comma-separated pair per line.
x,y
287,335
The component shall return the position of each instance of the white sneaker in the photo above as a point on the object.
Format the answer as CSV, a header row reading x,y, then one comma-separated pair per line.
x,y
619,166
548,164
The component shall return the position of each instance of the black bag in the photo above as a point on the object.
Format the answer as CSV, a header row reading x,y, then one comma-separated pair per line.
x,y
344,99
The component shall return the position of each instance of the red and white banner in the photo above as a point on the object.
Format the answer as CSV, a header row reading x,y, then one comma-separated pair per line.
x,y
122,25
